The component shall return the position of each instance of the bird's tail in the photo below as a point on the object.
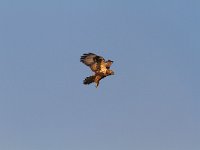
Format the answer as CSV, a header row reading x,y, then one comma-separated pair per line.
x,y
89,80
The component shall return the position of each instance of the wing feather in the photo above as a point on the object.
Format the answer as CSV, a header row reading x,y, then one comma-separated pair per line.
x,y
92,60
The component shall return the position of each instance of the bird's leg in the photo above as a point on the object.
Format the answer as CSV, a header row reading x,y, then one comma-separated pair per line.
x,y
109,72
97,79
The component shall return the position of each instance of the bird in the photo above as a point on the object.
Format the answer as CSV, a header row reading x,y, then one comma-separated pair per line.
x,y
98,65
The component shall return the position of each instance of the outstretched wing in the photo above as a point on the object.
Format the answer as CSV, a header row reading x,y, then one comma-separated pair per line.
x,y
92,60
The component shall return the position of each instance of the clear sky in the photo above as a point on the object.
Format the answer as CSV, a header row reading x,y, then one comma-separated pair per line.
x,y
151,103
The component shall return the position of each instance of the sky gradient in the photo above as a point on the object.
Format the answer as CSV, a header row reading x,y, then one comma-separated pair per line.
x,y
151,103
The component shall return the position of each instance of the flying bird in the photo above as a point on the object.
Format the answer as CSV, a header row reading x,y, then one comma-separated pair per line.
x,y
98,65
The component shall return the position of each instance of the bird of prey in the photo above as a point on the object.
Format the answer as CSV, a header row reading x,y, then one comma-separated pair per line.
x,y
98,65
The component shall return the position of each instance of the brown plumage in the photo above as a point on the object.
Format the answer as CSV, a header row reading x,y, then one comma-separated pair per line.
x,y
98,65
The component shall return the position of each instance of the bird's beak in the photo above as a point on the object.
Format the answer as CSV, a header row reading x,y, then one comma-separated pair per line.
x,y
112,73
110,61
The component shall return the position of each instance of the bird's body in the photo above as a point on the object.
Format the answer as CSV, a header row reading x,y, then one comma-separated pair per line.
x,y
98,65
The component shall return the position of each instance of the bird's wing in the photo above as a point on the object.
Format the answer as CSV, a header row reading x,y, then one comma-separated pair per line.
x,y
92,60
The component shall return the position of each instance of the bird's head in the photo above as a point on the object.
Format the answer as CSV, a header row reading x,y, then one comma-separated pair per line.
x,y
108,63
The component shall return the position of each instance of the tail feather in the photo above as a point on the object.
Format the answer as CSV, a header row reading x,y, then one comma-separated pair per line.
x,y
89,80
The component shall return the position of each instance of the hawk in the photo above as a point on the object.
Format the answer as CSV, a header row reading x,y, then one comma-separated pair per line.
x,y
98,65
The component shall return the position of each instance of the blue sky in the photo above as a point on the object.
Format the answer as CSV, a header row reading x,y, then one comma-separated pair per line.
x,y
152,101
